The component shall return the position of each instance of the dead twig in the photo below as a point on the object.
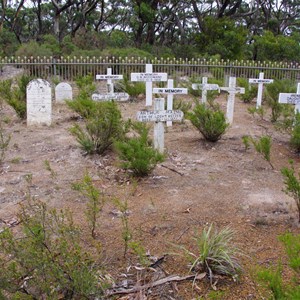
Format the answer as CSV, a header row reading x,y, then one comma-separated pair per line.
x,y
165,280
173,170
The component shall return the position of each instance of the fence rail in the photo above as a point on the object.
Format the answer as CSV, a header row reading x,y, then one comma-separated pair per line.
x,y
68,68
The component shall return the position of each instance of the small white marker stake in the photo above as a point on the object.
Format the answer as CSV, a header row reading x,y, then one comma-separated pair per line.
x,y
260,81
109,77
159,130
204,86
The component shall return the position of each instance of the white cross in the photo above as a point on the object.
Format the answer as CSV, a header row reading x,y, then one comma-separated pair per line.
x,y
232,90
205,87
260,81
159,115
149,77
290,98
170,91
109,77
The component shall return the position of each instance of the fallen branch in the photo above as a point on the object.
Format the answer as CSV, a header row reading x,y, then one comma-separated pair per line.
x,y
173,170
156,283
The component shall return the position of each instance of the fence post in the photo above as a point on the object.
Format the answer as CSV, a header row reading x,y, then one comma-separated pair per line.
x,y
54,66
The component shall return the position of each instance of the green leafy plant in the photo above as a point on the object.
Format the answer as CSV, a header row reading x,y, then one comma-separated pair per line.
x,y
140,251
263,146
96,201
136,153
250,91
102,128
50,169
273,277
47,260
4,143
292,184
215,254
246,141
133,89
210,121
182,105
260,111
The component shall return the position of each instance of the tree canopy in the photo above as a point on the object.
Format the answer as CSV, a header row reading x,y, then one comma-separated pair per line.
x,y
230,29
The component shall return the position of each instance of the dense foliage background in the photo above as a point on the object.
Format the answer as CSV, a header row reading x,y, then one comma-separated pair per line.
x,y
228,29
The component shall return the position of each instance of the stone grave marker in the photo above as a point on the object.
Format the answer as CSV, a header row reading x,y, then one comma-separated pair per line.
x,y
170,91
149,77
232,90
109,77
39,102
205,87
260,81
159,115
63,91
289,98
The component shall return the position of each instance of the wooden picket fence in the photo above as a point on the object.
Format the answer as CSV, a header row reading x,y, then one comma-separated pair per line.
x,y
68,68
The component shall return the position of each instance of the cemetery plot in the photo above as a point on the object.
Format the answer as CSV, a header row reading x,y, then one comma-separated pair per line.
x,y
260,81
63,91
148,78
39,102
204,86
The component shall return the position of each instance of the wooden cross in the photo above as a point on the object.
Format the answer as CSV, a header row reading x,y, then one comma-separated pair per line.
x,y
159,115
205,87
170,91
149,77
260,81
289,98
232,90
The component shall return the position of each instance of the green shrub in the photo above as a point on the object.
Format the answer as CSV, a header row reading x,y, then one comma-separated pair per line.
x,y
137,153
295,133
102,127
47,260
263,146
182,105
273,277
272,93
133,89
33,49
250,91
292,184
215,254
210,121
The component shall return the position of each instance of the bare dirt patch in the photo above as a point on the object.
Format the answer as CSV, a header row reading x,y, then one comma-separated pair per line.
x,y
199,183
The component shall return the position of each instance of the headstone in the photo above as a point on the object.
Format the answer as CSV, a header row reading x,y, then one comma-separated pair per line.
x,y
260,81
39,105
63,91
149,77
109,77
159,115
290,98
109,97
232,90
205,87
170,91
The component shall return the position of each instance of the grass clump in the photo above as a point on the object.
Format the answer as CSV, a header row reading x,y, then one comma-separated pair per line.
x,y
250,91
263,146
133,89
136,153
292,185
215,253
210,121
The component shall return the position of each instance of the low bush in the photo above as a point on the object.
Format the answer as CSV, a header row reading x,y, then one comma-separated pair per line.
x,y
210,121
133,89
102,127
250,91
263,146
136,153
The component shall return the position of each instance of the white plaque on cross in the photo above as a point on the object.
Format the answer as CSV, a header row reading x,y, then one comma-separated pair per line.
x,y
170,91
205,87
159,115
109,77
109,97
260,81
289,98
232,90
149,77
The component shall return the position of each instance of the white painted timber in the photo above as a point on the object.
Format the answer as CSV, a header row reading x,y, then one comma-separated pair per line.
x,y
109,77
204,86
108,97
260,81
63,91
159,115
290,98
39,102
159,130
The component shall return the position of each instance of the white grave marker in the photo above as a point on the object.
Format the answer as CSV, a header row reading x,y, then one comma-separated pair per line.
x,y
232,90
108,97
149,77
170,91
39,102
260,81
109,77
159,115
63,91
205,87
290,98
